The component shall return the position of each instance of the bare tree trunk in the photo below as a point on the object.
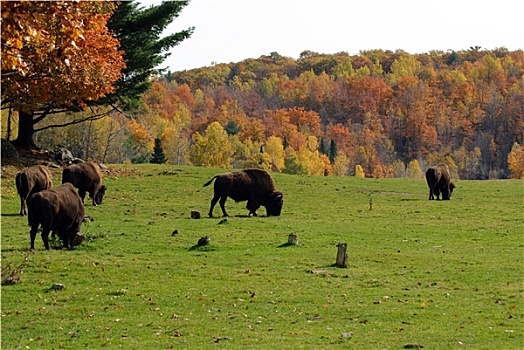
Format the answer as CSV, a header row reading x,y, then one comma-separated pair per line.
x,y
8,137
111,135
86,139
108,141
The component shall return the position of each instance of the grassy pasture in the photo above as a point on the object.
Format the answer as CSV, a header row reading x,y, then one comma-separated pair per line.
x,y
439,274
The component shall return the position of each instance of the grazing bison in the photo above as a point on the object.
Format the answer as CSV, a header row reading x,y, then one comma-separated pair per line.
x,y
30,181
439,181
87,178
255,186
60,210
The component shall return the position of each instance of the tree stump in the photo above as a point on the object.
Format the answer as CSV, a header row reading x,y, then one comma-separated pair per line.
x,y
342,255
292,239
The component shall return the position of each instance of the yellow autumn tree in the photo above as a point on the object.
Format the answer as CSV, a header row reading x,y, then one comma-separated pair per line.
x,y
414,171
311,159
341,165
359,172
292,165
399,169
516,161
260,160
275,149
213,149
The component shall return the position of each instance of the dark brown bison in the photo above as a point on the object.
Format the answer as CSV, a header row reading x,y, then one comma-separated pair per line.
x,y
60,210
255,186
87,178
439,181
30,181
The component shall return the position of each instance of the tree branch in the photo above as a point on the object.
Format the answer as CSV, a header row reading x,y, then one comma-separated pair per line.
x,y
76,121
42,116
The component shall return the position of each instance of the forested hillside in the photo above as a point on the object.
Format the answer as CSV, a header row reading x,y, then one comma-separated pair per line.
x,y
391,113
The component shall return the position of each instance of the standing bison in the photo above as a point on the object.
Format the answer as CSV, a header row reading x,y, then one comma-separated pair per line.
x,y
255,186
30,181
60,210
439,181
87,178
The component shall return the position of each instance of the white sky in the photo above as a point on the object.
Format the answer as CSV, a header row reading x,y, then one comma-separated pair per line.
x,y
233,30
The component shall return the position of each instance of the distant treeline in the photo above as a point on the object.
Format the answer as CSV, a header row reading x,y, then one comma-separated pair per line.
x,y
328,113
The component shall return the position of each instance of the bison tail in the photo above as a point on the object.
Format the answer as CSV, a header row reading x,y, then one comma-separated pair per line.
x,y
39,210
21,184
34,206
210,181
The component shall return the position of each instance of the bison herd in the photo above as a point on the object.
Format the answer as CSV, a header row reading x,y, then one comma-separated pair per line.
x,y
61,209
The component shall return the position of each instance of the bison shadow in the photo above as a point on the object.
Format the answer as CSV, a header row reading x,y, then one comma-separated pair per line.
x,y
232,216
12,214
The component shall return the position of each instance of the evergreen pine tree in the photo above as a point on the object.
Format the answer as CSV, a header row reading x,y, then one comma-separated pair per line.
x,y
158,156
139,30
232,128
332,151
322,148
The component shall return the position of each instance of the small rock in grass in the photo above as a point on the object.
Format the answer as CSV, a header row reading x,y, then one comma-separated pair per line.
x,y
204,240
57,286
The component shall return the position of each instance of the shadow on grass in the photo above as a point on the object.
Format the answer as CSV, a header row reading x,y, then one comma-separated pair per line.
x,y
12,214
202,248
227,217
283,245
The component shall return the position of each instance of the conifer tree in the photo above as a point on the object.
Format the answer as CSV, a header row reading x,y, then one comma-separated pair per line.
x,y
158,156
332,151
140,31
322,148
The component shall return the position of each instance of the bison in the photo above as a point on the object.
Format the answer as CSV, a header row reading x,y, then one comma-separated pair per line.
x,y
255,186
30,181
439,181
60,210
87,178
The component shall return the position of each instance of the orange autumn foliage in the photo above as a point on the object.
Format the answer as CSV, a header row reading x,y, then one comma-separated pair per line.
x,y
57,53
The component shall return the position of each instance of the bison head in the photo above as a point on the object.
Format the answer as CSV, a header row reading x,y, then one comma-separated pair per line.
x,y
274,204
99,195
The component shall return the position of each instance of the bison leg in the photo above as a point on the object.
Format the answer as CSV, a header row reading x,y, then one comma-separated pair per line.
x,y
252,206
22,207
437,193
213,203
45,237
445,194
82,194
431,194
93,197
67,240
69,236
223,205
32,233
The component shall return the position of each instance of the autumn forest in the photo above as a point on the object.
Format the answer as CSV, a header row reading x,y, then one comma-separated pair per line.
x,y
374,114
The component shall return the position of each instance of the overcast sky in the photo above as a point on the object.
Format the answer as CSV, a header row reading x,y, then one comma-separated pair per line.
x,y
233,30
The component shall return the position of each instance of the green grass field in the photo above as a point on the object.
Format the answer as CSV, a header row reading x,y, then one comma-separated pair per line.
x,y
437,274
